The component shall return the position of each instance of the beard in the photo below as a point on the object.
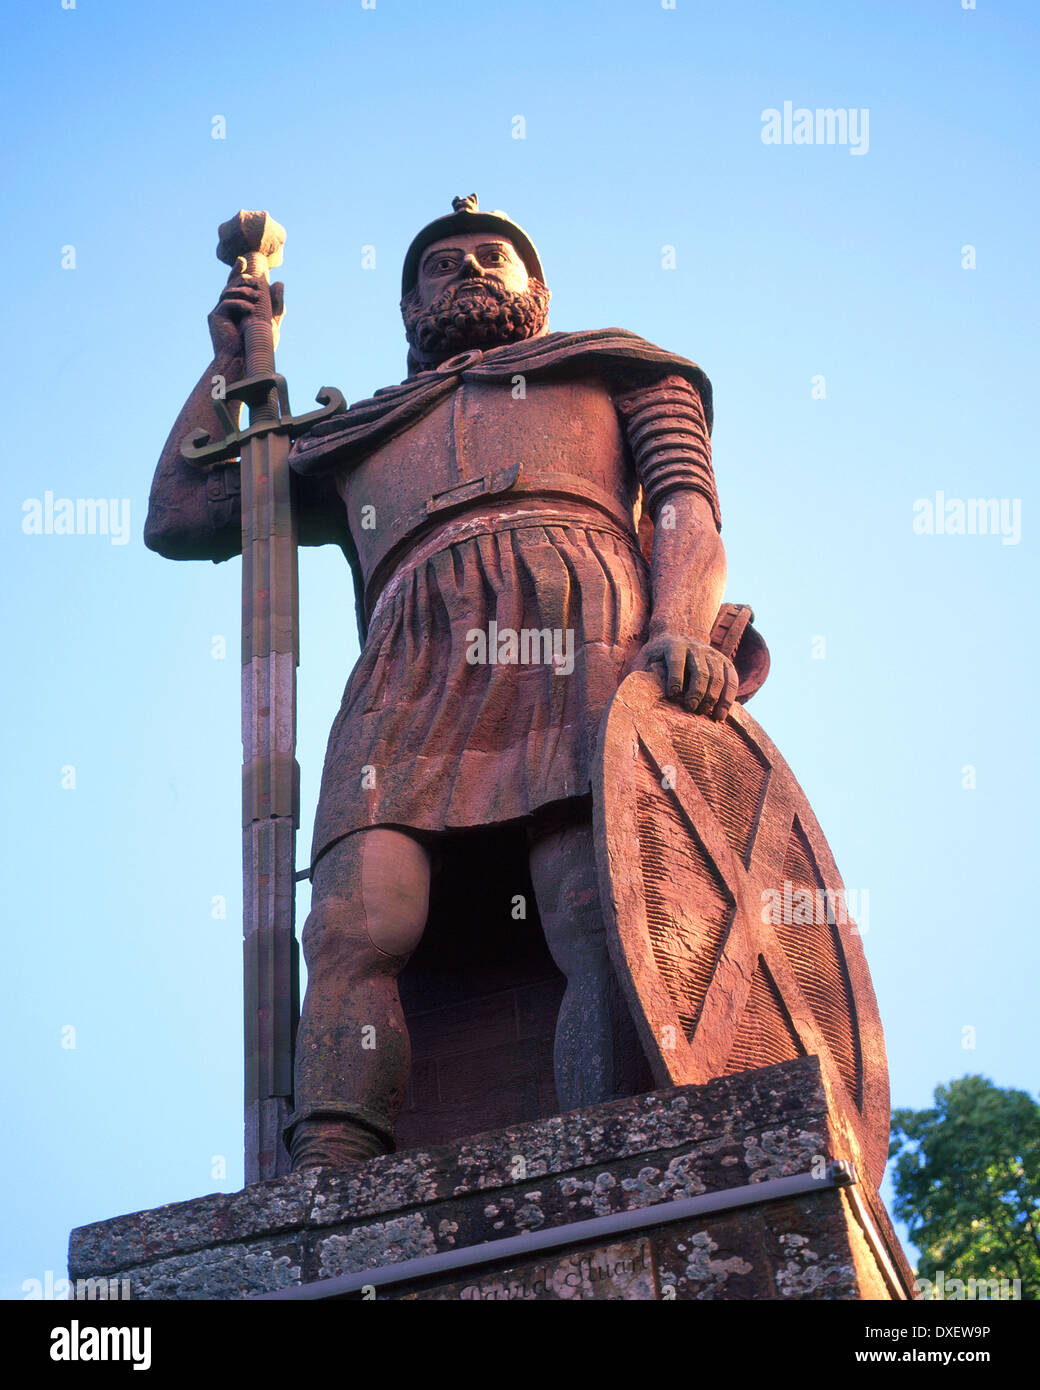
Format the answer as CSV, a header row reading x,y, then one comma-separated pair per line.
x,y
474,314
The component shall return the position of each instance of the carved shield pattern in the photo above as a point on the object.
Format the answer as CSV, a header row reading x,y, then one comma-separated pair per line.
x,y
727,918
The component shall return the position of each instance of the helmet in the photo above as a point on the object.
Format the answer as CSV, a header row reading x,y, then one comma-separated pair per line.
x,y
466,217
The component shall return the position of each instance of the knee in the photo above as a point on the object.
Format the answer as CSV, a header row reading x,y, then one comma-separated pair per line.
x,y
564,874
395,890
336,940
576,936
370,906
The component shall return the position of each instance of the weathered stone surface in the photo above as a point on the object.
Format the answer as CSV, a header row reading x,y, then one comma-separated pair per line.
x,y
225,1272
125,1241
628,1155
720,1259
375,1244
623,1271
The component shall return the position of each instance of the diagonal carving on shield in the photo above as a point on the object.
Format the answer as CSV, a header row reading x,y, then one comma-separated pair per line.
x,y
726,915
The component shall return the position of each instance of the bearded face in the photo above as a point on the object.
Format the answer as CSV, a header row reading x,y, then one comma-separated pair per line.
x,y
474,313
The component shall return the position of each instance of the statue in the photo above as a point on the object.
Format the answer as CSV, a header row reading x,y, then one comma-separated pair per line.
x,y
533,527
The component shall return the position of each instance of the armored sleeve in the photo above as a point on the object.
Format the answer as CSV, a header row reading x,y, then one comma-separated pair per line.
x,y
668,435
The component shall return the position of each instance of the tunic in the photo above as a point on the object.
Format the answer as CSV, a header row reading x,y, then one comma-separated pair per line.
x,y
429,739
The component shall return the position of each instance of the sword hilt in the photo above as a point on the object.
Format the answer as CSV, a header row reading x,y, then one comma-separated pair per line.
x,y
257,239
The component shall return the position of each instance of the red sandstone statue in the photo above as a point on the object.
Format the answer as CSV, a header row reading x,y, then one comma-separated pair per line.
x,y
531,517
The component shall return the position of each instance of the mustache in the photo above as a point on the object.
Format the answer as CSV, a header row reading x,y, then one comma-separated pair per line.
x,y
493,289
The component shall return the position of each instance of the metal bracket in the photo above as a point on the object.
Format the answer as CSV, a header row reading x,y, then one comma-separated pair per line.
x,y
196,447
842,1172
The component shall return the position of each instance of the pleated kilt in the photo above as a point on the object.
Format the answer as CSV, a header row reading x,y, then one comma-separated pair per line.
x,y
428,739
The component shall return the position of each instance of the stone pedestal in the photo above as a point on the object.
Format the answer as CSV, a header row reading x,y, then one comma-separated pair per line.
x,y
743,1188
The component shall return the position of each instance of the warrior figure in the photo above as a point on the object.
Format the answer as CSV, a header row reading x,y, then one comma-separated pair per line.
x,y
529,517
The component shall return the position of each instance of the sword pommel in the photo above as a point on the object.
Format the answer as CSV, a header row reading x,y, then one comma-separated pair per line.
x,y
249,234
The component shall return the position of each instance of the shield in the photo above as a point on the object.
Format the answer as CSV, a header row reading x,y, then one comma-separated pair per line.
x,y
726,916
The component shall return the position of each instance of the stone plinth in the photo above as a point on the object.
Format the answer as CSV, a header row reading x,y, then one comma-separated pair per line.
x,y
737,1189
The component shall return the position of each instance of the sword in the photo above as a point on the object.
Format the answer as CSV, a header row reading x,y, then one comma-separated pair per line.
x,y
270,656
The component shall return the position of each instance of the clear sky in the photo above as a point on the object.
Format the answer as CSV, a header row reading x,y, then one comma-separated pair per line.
x,y
902,684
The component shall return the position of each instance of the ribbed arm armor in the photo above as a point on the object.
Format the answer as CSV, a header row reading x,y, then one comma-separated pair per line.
x,y
668,436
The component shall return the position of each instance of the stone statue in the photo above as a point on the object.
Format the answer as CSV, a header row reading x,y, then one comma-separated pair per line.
x,y
531,518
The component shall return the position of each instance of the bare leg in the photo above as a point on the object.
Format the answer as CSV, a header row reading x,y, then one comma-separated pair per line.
x,y
597,1054
353,1057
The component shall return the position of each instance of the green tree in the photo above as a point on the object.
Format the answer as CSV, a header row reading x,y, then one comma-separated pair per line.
x,y
967,1183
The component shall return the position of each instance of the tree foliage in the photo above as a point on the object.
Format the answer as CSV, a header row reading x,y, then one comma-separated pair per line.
x,y
967,1183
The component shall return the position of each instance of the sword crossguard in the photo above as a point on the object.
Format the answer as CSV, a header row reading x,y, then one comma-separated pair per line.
x,y
197,449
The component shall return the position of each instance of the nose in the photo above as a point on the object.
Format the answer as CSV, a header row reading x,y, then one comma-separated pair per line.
x,y
470,267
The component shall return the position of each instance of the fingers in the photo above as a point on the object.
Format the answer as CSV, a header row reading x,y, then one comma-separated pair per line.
x,y
729,690
239,276
720,687
700,672
244,294
674,660
665,657
715,685
246,289
692,673
237,302
700,678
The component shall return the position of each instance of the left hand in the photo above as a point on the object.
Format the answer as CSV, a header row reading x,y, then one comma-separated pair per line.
x,y
692,673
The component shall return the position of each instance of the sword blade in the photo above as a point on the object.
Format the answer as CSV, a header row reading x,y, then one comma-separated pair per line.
x,y
270,797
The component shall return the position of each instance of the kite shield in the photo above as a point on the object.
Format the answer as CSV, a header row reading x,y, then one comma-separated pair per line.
x,y
726,916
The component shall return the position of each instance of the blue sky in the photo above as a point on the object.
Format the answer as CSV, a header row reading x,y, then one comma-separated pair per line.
x,y
642,130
